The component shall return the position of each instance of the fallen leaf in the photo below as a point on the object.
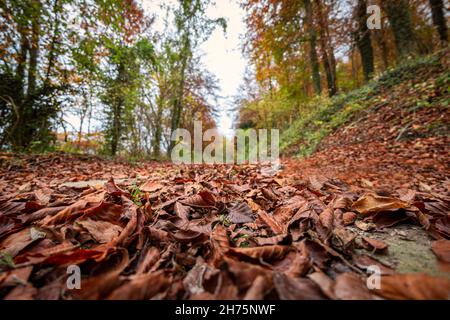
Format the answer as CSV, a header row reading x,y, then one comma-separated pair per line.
x,y
349,286
374,244
372,203
151,186
240,213
414,287
441,249
289,288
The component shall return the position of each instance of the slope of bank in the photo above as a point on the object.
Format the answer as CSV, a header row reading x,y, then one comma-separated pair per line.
x,y
392,132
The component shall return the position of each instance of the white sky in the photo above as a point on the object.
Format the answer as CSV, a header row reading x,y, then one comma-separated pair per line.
x,y
221,53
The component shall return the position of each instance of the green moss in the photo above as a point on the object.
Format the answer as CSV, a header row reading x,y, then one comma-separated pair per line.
x,y
409,250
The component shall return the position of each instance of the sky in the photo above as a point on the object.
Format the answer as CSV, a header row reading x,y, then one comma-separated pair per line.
x,y
221,53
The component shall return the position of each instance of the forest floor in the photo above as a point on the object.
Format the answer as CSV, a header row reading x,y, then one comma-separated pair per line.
x,y
373,198
161,231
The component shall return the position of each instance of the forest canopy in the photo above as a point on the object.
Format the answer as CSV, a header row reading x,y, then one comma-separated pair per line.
x,y
102,61
300,50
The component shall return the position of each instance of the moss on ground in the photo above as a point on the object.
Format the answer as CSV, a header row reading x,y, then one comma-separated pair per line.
x,y
409,250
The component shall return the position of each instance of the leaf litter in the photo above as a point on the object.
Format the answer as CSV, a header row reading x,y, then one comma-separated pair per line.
x,y
160,231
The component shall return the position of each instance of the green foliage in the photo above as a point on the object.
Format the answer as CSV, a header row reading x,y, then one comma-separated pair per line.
x,y
316,124
136,195
6,261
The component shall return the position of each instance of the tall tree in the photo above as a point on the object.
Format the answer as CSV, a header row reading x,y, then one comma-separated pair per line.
x,y
328,58
363,39
399,17
439,20
315,66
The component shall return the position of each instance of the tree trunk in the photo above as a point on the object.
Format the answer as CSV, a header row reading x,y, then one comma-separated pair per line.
x,y
34,51
116,129
158,132
381,43
399,17
439,21
328,59
315,67
363,40
178,101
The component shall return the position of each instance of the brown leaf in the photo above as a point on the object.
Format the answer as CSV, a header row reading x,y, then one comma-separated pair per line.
x,y
151,186
258,289
99,286
324,282
75,210
364,262
43,195
186,236
151,256
15,277
375,244
283,214
268,194
182,211
203,199
326,218
270,222
349,286
389,219
141,287
281,238
18,241
114,190
265,252
342,202
349,218
441,249
193,282
77,256
289,288
246,273
131,211
240,213
295,264
414,286
22,292
372,203
101,231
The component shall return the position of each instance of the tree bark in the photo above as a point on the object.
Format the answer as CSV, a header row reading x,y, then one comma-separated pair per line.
x,y
34,48
328,59
439,21
363,40
315,67
399,17
381,43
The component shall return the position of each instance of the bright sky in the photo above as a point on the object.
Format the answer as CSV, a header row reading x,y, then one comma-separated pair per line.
x,y
223,57
222,53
